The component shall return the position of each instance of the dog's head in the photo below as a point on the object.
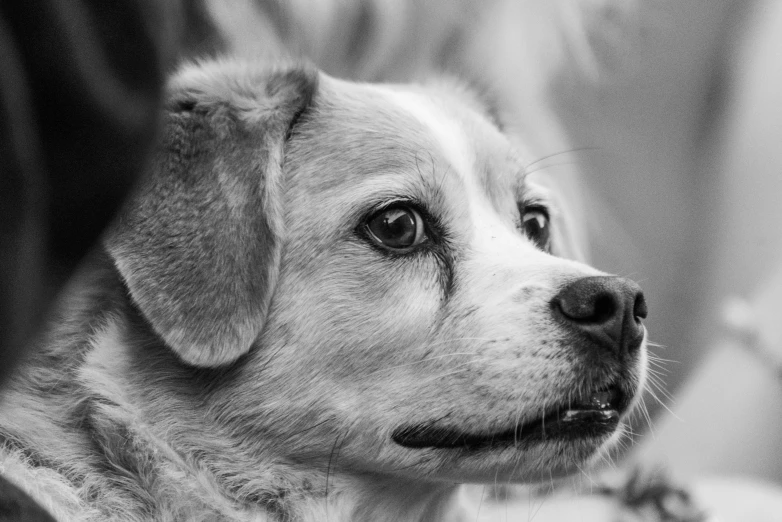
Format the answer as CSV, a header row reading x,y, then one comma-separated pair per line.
x,y
379,278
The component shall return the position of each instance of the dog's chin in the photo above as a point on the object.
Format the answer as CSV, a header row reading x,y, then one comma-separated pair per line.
x,y
594,417
544,461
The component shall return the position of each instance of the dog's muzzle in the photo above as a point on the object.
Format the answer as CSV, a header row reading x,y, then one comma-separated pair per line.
x,y
606,314
606,309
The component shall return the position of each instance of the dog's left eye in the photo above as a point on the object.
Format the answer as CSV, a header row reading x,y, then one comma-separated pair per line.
x,y
397,228
535,224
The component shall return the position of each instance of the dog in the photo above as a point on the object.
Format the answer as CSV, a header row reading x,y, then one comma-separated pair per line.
x,y
326,301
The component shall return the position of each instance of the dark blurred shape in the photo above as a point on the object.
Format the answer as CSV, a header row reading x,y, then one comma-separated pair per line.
x,y
198,35
15,505
79,92
80,89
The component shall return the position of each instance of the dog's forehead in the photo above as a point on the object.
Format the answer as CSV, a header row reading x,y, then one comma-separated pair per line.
x,y
425,131
451,138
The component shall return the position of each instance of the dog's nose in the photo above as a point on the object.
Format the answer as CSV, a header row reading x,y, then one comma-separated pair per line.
x,y
608,309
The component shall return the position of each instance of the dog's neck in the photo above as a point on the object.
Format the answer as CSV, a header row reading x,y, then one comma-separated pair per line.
x,y
357,499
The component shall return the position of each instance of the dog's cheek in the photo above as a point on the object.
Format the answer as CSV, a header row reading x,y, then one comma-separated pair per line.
x,y
358,311
336,333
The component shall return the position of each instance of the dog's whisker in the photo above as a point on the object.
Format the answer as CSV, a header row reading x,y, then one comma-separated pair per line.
x,y
652,387
656,398
495,482
606,460
645,413
657,345
561,153
658,368
418,169
657,358
459,339
431,184
667,396
656,377
517,461
543,498
480,504
657,373
328,467
657,382
585,474
541,168
623,446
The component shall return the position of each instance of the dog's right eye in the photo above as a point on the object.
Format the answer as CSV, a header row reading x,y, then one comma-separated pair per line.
x,y
535,223
398,228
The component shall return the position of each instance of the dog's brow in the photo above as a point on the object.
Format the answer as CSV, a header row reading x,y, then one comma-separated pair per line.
x,y
520,173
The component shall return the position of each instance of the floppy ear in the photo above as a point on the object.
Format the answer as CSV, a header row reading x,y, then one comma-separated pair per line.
x,y
198,246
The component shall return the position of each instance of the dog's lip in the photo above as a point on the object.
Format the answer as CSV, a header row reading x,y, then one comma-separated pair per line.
x,y
594,416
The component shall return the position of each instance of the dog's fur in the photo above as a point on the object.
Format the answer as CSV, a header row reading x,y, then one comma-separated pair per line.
x,y
239,350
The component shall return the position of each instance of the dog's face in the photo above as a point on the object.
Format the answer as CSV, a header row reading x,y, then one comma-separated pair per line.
x,y
391,280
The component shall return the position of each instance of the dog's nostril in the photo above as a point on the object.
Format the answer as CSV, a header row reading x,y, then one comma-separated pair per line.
x,y
596,309
605,309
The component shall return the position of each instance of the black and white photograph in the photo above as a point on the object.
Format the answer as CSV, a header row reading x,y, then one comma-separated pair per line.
x,y
391,260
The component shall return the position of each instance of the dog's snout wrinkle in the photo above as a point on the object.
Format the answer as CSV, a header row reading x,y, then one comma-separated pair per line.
x,y
608,309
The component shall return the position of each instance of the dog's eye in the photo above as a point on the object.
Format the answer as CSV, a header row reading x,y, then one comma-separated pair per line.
x,y
535,224
397,228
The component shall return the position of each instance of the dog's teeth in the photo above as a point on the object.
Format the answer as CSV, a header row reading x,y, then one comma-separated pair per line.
x,y
604,415
601,400
597,401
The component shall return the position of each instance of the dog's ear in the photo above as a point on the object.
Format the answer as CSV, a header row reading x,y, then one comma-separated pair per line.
x,y
198,246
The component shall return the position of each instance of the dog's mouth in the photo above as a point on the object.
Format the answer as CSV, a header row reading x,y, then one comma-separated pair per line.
x,y
592,416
